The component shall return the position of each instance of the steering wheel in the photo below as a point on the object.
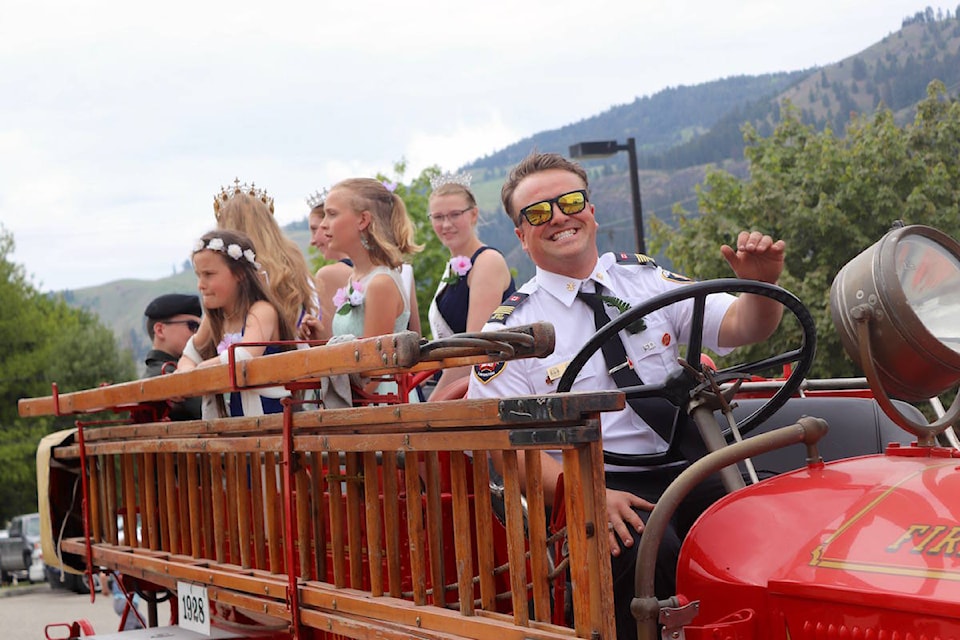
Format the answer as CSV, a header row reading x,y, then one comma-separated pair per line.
x,y
680,387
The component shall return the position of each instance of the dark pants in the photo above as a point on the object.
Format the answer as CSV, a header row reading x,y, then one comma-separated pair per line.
x,y
650,485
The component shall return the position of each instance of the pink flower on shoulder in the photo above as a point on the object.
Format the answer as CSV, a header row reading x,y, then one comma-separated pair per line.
x,y
459,266
229,339
340,297
348,297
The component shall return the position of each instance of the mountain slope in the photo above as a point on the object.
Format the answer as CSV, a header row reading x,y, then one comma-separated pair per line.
x,y
658,122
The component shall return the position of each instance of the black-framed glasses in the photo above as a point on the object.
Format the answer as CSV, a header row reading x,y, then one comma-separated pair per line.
x,y
453,216
571,203
192,325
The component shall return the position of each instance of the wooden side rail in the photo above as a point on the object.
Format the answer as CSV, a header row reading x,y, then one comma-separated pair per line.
x,y
393,530
382,355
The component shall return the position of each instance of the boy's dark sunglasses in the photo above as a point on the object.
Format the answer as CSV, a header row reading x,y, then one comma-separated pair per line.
x,y
193,325
541,212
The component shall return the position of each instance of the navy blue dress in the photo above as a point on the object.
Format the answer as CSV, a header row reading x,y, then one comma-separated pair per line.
x,y
452,301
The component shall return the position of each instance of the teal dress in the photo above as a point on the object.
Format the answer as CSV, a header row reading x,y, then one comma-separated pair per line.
x,y
352,323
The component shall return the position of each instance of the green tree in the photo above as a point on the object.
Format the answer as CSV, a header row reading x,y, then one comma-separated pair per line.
x,y
829,198
45,341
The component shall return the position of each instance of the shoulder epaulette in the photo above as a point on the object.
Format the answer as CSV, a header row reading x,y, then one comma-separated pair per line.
x,y
635,258
501,313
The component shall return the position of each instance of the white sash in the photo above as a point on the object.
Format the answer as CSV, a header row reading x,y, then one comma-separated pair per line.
x,y
438,325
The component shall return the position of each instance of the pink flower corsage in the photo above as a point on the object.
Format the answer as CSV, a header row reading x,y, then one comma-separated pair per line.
x,y
459,266
348,297
229,339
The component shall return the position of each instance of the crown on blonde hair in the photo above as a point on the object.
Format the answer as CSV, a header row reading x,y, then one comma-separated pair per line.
x,y
463,179
226,193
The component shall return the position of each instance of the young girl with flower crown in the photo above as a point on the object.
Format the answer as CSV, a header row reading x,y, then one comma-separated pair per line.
x,y
249,210
241,310
476,279
369,223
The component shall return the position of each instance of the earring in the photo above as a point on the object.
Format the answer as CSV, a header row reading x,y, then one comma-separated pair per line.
x,y
364,241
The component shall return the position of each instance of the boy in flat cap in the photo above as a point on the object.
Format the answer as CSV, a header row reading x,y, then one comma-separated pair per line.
x,y
171,320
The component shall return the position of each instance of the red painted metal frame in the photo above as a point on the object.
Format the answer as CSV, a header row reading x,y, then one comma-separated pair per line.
x,y
815,564
289,509
76,629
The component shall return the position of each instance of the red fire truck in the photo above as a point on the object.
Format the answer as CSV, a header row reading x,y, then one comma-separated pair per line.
x,y
383,519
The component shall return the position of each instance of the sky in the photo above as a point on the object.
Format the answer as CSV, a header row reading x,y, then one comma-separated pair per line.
x,y
120,121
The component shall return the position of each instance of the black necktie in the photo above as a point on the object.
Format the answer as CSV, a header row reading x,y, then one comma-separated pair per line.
x,y
658,413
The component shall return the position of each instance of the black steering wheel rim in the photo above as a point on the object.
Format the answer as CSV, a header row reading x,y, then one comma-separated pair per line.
x,y
677,389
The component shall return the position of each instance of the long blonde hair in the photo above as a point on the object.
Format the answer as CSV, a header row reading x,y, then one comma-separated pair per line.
x,y
288,275
390,233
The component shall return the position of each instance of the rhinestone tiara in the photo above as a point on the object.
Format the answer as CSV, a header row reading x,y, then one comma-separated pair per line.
x,y
236,189
463,179
317,198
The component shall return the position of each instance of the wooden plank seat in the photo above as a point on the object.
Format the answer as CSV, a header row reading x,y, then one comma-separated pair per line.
x,y
345,522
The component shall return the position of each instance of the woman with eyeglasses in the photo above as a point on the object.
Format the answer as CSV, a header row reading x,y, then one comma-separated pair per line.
x,y
476,279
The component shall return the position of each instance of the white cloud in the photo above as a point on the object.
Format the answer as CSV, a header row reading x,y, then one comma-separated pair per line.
x,y
453,144
118,124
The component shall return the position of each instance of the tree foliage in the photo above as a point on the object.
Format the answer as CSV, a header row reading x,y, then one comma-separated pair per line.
x,y
45,341
829,198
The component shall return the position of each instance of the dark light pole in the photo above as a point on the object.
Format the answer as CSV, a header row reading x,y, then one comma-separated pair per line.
x,y
606,148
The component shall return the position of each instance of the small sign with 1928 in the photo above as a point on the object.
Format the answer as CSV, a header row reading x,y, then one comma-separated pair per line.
x,y
193,607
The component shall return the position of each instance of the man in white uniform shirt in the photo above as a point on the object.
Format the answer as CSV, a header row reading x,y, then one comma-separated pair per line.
x,y
547,197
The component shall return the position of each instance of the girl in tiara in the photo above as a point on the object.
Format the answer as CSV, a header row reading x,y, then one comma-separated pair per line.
x,y
249,210
329,277
476,279
369,223
334,276
240,310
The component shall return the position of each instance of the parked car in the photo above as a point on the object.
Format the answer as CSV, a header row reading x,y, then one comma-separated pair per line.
x,y
20,552
78,583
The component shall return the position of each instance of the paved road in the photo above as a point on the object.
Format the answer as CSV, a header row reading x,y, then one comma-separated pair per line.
x,y
25,611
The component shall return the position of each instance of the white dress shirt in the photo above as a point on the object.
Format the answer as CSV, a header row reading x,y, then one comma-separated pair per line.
x,y
653,351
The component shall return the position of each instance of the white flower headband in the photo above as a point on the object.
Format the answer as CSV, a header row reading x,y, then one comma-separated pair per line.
x,y
233,250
